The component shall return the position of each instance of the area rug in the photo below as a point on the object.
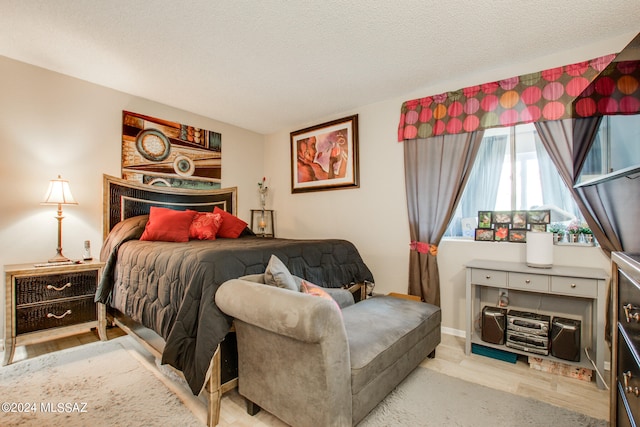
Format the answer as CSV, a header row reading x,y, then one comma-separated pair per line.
x,y
97,384
429,398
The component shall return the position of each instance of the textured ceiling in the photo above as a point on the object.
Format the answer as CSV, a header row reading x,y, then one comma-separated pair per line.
x,y
267,65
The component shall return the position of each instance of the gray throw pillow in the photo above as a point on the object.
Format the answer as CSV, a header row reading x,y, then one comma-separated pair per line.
x,y
277,274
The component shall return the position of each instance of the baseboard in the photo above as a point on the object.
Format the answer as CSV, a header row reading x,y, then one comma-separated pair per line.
x,y
454,332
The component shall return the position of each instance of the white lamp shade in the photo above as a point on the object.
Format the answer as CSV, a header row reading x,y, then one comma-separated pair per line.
x,y
58,192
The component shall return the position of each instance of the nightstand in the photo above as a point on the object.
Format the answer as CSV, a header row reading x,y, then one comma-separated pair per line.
x,y
49,302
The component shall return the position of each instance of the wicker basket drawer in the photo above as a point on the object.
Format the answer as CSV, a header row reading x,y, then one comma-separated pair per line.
x,y
33,289
55,314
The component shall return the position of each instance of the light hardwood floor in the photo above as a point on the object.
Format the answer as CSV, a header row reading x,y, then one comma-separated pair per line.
x,y
518,378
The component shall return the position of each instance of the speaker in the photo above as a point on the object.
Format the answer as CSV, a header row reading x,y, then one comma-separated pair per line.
x,y
494,322
565,339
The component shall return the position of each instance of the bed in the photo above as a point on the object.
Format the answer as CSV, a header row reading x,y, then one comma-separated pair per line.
x,y
169,287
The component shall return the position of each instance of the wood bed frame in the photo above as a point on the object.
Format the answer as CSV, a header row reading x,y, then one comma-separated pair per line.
x,y
124,199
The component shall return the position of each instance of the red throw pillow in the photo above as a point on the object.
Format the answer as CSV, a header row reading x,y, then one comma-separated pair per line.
x,y
205,225
168,225
231,226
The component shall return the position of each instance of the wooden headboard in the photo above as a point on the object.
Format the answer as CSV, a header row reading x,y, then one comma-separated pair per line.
x,y
124,199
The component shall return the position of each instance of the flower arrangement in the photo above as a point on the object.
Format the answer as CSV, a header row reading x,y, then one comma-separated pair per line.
x,y
573,227
556,227
262,184
584,229
262,189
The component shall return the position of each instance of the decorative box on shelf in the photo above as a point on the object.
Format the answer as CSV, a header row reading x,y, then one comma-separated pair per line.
x,y
47,301
262,222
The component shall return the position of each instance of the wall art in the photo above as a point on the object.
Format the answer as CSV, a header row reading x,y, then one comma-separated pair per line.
x,y
325,157
162,152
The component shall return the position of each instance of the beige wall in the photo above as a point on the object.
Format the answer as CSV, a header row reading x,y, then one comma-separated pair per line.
x,y
52,124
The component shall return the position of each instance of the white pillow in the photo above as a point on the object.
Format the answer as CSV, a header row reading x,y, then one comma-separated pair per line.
x,y
277,274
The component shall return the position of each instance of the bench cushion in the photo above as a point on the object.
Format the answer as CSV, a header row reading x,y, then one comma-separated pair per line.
x,y
381,330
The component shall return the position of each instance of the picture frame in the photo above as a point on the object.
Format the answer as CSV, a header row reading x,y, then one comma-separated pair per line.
x,y
502,217
501,233
484,234
485,218
325,156
539,217
518,235
519,219
539,227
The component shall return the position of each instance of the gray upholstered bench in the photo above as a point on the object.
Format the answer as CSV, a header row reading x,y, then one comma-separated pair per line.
x,y
311,364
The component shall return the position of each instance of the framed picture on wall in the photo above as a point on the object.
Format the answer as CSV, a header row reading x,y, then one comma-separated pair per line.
x,y
325,156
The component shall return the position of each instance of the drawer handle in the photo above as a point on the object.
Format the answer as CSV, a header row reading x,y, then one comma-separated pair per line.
x,y
573,285
68,285
627,388
50,315
487,277
527,281
628,315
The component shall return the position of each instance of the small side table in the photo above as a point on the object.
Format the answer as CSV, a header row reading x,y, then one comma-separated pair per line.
x,y
44,303
262,222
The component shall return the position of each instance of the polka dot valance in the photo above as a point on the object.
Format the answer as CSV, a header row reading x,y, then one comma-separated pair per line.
x,y
540,96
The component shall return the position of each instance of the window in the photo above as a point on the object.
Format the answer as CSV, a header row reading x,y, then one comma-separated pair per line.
x,y
512,172
615,148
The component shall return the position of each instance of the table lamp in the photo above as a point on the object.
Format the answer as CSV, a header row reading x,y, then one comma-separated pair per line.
x,y
59,194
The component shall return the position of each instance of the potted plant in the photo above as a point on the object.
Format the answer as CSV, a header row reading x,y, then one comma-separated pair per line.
x,y
558,231
586,233
574,231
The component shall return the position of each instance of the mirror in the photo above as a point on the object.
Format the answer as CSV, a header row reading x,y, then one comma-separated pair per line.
x,y
607,127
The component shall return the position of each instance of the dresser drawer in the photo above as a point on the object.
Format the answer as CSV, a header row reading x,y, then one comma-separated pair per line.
x,y
489,277
628,376
628,303
55,314
574,286
529,282
32,289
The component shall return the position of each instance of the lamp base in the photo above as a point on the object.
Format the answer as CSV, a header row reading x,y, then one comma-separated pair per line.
x,y
59,258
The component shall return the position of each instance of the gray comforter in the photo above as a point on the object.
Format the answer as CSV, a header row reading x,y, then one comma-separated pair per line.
x,y
170,287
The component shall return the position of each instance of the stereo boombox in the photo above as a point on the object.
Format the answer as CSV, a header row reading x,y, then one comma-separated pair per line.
x,y
528,323
528,342
528,331
532,332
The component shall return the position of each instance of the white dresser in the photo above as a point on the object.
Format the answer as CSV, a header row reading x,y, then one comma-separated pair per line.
x,y
573,292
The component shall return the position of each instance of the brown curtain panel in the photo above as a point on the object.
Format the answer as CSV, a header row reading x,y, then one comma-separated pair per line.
x,y
557,137
436,172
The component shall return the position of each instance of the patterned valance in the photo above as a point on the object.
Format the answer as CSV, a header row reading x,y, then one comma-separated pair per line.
x,y
540,96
